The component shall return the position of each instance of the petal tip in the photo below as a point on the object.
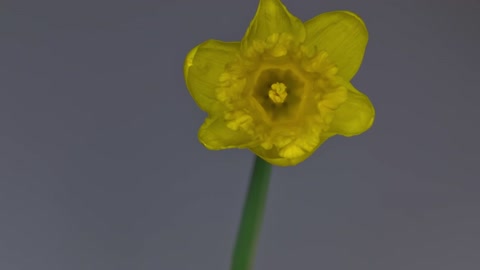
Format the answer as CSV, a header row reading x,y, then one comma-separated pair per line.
x,y
343,35
357,17
273,17
189,61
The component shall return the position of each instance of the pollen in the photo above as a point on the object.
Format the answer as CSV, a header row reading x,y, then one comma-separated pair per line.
x,y
278,93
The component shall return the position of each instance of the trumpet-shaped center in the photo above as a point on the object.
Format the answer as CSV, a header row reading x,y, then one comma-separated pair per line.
x,y
278,93
282,94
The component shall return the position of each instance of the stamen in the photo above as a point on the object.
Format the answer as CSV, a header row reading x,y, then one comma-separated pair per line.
x,y
278,93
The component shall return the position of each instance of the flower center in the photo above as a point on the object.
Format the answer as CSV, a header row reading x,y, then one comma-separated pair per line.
x,y
282,93
278,93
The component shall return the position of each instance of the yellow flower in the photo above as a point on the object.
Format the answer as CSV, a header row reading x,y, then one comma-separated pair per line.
x,y
284,88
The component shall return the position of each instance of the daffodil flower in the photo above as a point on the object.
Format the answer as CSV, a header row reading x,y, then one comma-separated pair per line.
x,y
284,88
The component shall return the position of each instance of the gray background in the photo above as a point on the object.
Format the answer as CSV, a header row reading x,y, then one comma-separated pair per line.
x,y
100,166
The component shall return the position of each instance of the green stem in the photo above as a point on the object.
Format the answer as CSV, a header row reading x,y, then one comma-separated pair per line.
x,y
244,251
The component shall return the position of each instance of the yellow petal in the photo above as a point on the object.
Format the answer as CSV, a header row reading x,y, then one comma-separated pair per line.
x,y
203,66
273,156
343,35
272,17
354,116
215,135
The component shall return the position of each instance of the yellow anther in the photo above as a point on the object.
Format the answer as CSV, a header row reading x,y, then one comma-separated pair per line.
x,y
278,93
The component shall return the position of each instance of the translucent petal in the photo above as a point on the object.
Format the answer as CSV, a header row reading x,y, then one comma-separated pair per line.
x,y
215,135
343,35
354,116
272,17
203,66
273,156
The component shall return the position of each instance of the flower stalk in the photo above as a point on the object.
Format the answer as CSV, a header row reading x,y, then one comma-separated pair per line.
x,y
252,217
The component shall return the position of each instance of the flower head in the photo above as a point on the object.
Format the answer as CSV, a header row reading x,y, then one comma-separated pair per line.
x,y
284,88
